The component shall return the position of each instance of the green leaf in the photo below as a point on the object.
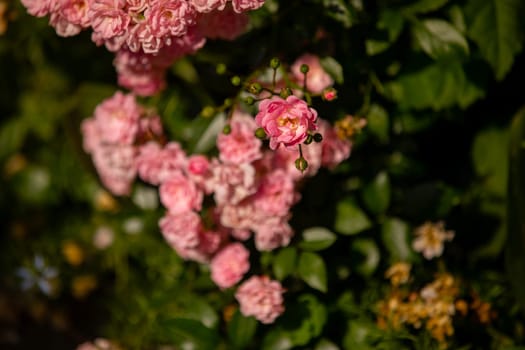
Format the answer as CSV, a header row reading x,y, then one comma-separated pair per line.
x,y
389,24
368,256
439,39
284,263
303,320
376,194
489,155
333,68
437,86
496,27
241,330
340,11
395,234
317,238
209,136
360,335
424,6
515,246
189,332
378,123
312,270
350,219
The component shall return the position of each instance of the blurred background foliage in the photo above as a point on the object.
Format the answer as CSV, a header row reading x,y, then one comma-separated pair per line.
x,y
440,83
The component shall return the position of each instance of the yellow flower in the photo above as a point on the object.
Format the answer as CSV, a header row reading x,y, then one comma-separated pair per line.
x,y
73,253
81,286
399,273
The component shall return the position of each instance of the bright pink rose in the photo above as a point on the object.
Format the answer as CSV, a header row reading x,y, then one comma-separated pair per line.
x,y
316,79
261,298
246,5
229,265
240,145
286,122
208,5
273,233
239,217
117,118
226,24
157,164
179,194
108,17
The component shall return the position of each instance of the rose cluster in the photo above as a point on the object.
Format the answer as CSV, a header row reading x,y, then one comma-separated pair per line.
x,y
214,204
147,35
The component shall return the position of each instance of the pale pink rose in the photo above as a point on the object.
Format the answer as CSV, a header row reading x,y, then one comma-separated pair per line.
x,y
156,164
286,122
90,135
261,298
246,5
240,145
181,231
117,118
112,44
208,5
231,183
98,344
116,167
76,12
226,24
317,79
108,18
39,8
335,150
276,193
169,17
141,37
62,26
179,194
229,265
137,73
136,6
239,217
273,233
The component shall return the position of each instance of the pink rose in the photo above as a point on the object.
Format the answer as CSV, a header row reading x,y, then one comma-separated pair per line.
x,y
229,265
169,17
179,194
287,121
240,145
246,5
207,5
39,8
117,119
226,24
276,193
156,164
181,231
261,298
335,150
116,167
316,79
273,233
108,18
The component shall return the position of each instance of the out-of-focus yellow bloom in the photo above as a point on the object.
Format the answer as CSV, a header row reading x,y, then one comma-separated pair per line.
x,y
105,202
399,273
349,126
73,253
81,286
